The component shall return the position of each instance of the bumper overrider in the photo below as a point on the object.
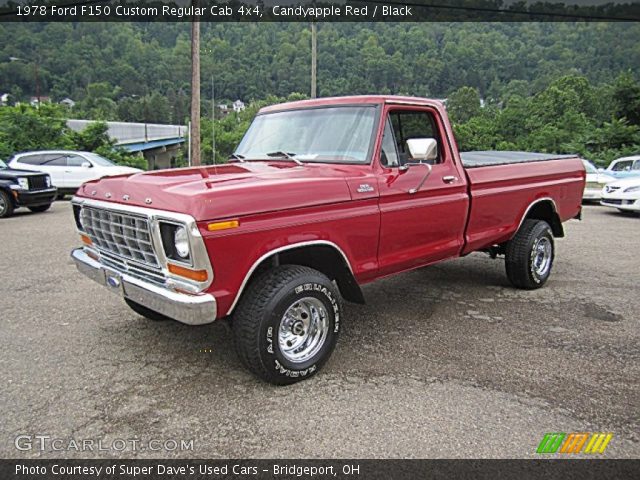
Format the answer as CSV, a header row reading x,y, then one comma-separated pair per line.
x,y
178,298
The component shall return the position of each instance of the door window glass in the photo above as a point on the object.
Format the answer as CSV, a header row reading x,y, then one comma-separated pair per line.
x,y
413,124
388,154
54,160
31,159
75,161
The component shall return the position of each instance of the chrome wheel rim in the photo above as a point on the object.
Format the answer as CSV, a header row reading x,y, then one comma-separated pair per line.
x,y
3,204
303,329
542,255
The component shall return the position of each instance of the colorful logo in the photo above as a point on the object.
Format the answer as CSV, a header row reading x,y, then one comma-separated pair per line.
x,y
593,443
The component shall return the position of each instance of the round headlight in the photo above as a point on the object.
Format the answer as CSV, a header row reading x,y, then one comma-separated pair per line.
x,y
181,241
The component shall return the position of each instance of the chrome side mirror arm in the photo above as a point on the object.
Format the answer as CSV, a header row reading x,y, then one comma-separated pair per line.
x,y
406,166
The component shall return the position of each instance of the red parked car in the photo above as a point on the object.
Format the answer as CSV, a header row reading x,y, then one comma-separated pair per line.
x,y
321,197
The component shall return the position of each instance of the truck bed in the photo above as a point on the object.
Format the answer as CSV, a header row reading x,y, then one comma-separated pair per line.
x,y
493,157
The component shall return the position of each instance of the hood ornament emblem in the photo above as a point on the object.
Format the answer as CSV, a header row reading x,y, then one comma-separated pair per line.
x,y
94,192
125,197
147,200
108,195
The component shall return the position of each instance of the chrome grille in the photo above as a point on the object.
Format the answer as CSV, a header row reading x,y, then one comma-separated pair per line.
x,y
134,269
122,234
38,182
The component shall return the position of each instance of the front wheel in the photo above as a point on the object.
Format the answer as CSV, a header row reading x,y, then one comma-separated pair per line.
x,y
530,254
287,323
6,205
40,208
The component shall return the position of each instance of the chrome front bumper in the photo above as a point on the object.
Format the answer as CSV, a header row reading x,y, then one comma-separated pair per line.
x,y
190,309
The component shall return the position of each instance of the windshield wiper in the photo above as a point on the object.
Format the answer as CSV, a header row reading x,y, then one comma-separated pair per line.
x,y
236,156
288,156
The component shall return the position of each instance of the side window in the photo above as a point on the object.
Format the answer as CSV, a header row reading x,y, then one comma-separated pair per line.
x,y
388,154
75,161
54,160
407,125
621,166
31,159
636,165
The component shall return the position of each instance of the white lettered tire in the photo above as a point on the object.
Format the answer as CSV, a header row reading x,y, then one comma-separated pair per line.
x,y
287,324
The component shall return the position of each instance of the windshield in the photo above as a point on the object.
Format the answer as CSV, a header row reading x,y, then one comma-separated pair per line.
x,y
588,166
3,165
335,134
95,158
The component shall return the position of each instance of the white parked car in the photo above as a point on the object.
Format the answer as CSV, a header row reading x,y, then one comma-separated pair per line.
x,y
623,195
69,169
624,167
595,182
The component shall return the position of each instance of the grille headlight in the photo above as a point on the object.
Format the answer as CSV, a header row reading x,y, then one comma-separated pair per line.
x,y
181,242
47,181
175,241
23,183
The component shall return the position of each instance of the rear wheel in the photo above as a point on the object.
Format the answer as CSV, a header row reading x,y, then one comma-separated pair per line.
x,y
145,312
530,254
40,208
6,205
287,323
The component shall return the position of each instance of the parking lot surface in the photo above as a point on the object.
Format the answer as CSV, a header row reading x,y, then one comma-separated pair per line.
x,y
447,361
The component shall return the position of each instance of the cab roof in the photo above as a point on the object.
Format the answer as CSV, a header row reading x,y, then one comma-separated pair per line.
x,y
353,100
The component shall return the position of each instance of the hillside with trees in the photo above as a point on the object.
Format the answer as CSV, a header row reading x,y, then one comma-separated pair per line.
x,y
536,86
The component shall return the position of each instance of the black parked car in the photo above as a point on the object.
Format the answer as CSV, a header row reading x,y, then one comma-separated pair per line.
x,y
23,188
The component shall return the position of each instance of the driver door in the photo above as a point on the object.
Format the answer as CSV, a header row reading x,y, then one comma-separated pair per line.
x,y
78,171
423,202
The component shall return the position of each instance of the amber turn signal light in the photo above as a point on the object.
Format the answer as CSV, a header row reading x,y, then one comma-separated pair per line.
x,y
86,240
212,227
197,275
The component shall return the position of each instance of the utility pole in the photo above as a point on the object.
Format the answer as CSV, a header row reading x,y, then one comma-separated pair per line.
x,y
314,53
213,121
194,138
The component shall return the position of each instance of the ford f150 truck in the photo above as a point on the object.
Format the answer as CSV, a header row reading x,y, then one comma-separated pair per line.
x,y
320,197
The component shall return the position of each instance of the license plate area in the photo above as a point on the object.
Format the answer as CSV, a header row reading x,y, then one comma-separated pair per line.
x,y
113,281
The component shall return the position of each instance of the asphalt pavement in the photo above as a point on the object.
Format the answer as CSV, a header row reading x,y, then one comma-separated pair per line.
x,y
443,362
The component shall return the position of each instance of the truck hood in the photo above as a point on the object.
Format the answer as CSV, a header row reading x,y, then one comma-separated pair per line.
x,y
15,173
231,190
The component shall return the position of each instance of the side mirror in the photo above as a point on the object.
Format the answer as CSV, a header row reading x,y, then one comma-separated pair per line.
x,y
86,165
423,149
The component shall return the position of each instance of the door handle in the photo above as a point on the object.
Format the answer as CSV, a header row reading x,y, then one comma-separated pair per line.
x,y
449,179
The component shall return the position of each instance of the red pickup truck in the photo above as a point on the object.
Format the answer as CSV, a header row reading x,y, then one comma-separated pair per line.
x,y
320,197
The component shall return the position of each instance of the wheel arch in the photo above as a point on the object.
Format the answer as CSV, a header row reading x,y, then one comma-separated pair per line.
x,y
4,186
322,255
544,209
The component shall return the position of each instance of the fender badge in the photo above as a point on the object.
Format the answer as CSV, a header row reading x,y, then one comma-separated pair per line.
x,y
125,197
147,201
364,188
108,195
93,192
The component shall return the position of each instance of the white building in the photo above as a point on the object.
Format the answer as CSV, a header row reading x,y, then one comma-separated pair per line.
x,y
238,106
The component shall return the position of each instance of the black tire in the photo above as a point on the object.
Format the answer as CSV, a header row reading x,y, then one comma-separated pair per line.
x,y
145,312
261,312
523,262
60,196
6,205
40,208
